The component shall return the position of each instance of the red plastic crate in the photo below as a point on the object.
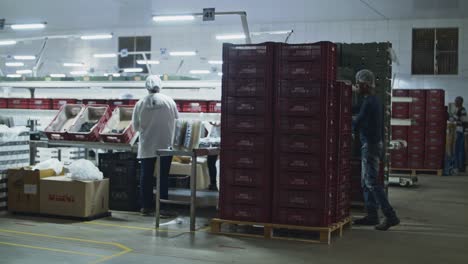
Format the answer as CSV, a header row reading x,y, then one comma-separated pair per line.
x,y
307,199
247,106
251,70
301,89
400,92
95,101
247,195
247,124
435,108
120,113
37,103
247,87
242,212
400,110
435,97
113,103
304,71
416,148
318,51
244,160
435,140
256,52
101,112
56,130
296,162
214,107
299,144
299,180
400,132
417,93
440,116
400,164
440,150
3,103
194,106
295,125
399,154
59,102
436,123
416,135
245,177
246,142
435,164
18,103
133,102
301,217
298,107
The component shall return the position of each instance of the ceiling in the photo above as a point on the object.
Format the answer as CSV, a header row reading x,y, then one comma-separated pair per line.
x,y
91,14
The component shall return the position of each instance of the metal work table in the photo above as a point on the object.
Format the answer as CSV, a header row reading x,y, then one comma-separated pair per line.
x,y
193,179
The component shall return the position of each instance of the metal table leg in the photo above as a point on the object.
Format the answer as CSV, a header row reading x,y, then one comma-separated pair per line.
x,y
193,191
158,191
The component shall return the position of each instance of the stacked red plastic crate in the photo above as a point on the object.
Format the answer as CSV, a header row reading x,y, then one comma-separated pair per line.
x,y
247,132
426,138
305,163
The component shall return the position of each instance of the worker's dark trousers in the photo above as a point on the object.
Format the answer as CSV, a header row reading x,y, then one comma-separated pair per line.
x,y
212,168
374,194
460,151
147,180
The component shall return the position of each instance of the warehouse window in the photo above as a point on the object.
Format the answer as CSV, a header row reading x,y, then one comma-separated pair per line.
x,y
435,51
134,44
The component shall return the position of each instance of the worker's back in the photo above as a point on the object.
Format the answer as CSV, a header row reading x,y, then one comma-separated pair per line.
x,y
372,125
157,114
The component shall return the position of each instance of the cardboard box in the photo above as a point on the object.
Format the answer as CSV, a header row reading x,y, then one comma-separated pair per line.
x,y
66,197
23,189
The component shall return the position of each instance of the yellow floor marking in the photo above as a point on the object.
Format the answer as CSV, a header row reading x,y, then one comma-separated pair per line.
x,y
52,249
124,249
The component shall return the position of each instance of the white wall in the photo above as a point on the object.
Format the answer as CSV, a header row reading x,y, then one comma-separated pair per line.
x,y
201,37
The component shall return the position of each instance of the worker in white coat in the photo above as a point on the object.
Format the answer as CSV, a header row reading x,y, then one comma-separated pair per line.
x,y
154,118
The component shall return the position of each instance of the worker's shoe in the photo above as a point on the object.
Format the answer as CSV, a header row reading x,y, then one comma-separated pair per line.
x,y
146,212
367,221
387,223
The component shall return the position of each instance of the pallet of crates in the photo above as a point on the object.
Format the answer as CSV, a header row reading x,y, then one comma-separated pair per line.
x,y
436,127
14,153
246,145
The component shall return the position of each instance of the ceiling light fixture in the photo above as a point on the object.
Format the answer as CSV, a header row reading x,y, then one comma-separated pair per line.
x,y
182,53
276,32
173,18
105,55
143,62
230,36
28,26
14,64
215,62
73,64
23,71
7,42
100,36
24,57
199,72
78,72
133,70
13,76
57,75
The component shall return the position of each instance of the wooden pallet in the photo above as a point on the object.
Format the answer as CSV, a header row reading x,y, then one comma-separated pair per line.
x,y
274,231
414,172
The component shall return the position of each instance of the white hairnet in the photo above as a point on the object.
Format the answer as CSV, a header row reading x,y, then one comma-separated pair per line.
x,y
365,76
153,83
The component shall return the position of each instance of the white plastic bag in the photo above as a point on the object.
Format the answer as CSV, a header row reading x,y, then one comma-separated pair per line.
x,y
84,170
50,164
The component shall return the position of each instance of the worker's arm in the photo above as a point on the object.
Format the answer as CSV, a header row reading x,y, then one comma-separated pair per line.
x,y
176,112
136,117
363,112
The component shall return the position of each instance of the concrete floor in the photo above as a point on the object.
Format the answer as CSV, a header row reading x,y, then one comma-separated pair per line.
x,y
434,229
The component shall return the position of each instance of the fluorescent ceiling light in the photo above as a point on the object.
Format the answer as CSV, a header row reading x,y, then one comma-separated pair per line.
x,y
199,72
7,42
105,55
276,32
14,64
231,36
220,74
57,75
23,71
73,64
23,57
28,26
142,62
133,70
173,18
182,53
113,74
100,36
78,72
216,62
13,76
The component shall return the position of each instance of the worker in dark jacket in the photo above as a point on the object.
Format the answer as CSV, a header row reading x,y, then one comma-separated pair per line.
x,y
462,124
369,121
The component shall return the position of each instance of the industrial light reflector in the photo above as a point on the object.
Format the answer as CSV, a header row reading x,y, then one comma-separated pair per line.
x,y
28,26
13,75
100,36
182,53
23,71
199,72
23,57
133,70
57,75
142,62
14,64
231,36
78,72
7,42
73,64
173,18
105,55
